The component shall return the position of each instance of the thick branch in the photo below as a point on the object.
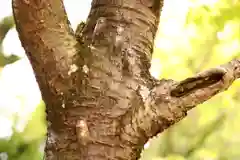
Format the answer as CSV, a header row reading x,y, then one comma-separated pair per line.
x,y
48,40
169,101
52,49
124,31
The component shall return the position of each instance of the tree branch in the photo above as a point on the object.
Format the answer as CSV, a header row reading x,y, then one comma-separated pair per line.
x,y
169,101
48,40
53,51
124,30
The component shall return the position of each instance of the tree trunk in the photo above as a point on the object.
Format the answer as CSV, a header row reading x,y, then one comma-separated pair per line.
x,y
102,103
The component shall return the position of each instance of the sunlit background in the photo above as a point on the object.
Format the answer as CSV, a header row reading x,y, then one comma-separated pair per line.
x,y
193,35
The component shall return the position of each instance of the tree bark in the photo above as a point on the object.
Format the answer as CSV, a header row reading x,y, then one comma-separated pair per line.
x,y
102,103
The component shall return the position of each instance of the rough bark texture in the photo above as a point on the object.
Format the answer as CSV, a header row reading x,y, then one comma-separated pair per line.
x,y
102,103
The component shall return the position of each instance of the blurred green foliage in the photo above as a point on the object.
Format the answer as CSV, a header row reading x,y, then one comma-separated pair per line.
x,y
27,145
6,24
23,145
208,36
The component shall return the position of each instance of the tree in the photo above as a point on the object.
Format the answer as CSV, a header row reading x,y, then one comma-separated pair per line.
x,y
102,103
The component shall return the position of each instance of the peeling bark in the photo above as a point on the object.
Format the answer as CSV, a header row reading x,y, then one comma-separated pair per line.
x,y
102,103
